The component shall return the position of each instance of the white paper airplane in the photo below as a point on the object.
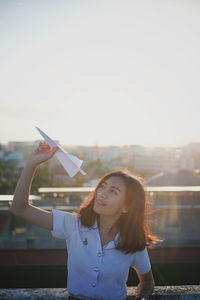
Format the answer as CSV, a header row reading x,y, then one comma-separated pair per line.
x,y
71,163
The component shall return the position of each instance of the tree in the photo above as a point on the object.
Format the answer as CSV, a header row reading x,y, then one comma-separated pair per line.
x,y
96,169
8,176
43,177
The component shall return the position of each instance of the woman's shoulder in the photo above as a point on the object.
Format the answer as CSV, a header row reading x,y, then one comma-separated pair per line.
x,y
141,262
64,223
65,214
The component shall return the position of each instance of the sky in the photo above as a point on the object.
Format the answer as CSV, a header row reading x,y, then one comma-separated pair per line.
x,y
100,72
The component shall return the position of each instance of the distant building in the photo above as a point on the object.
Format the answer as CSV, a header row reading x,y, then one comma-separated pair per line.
x,y
18,146
186,163
181,178
154,163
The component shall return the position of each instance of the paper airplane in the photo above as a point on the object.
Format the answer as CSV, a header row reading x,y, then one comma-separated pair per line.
x,y
71,163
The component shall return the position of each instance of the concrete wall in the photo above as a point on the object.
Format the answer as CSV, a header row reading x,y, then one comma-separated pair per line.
x,y
191,292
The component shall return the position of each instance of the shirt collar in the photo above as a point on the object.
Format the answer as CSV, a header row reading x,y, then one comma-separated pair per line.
x,y
113,244
84,228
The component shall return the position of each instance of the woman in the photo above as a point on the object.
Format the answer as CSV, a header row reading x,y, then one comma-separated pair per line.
x,y
106,237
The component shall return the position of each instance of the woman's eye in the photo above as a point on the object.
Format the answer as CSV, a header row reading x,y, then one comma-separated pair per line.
x,y
113,191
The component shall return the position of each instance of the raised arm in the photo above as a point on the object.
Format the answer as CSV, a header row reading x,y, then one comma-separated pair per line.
x,y
20,205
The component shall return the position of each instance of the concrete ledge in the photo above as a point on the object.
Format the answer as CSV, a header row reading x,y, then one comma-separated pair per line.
x,y
189,292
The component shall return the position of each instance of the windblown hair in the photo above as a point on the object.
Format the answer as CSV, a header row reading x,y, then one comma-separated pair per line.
x,y
133,226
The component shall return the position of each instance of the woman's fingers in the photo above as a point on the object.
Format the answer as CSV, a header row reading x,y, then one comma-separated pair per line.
x,y
44,146
55,148
52,151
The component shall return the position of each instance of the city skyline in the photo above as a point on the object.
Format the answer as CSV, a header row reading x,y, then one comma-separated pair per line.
x,y
26,143
100,73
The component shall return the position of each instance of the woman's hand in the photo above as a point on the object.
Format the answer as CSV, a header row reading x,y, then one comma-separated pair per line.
x,y
43,153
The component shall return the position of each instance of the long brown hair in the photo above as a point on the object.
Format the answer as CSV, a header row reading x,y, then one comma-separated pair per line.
x,y
133,226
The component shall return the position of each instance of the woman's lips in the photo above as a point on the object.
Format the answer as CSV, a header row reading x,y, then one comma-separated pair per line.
x,y
99,202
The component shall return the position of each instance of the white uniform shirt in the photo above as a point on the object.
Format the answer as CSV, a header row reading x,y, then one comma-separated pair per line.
x,y
95,272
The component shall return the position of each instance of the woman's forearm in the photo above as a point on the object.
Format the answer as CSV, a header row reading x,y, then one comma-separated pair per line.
x,y
145,289
21,195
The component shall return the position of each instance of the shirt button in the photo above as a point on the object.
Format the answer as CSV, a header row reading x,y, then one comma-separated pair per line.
x,y
93,284
96,269
99,254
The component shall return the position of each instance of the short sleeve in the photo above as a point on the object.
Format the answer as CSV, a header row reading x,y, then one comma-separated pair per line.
x,y
141,262
64,224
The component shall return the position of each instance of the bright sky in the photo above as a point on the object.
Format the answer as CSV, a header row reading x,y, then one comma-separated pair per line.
x,y
100,71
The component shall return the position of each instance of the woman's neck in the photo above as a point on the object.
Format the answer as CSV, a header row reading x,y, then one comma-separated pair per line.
x,y
107,224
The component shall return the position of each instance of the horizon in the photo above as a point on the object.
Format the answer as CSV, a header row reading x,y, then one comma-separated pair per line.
x,y
110,145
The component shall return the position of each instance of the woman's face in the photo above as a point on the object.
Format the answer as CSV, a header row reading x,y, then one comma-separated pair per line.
x,y
110,197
